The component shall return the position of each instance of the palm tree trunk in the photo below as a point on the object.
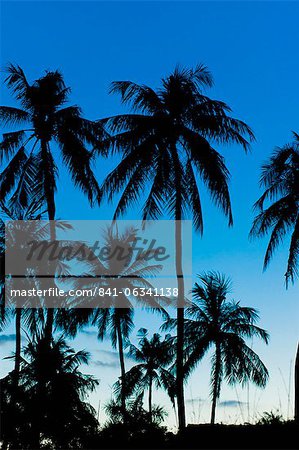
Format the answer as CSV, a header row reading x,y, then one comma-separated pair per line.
x,y
50,310
216,385
150,402
297,387
122,368
181,292
49,194
18,345
180,322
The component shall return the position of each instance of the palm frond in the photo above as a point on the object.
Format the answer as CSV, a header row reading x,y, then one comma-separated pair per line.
x,y
10,143
212,169
13,116
9,176
17,82
78,160
293,260
141,98
194,196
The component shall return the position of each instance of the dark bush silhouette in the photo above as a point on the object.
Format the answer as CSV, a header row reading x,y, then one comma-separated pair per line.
x,y
48,405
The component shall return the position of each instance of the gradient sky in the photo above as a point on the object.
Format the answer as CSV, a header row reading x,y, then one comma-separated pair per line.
x,y
252,50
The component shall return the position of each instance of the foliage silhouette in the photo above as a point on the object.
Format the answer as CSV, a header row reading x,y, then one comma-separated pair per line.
x,y
42,122
114,316
213,320
137,416
280,179
165,144
22,206
49,402
154,356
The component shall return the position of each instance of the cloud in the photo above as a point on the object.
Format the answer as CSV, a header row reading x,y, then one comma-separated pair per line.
x,y
114,355
109,359
105,364
232,403
111,353
89,333
4,338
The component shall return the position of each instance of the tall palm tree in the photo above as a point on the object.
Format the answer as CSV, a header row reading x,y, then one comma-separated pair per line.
x,y
297,386
213,320
27,203
113,314
154,357
280,179
42,125
165,144
2,274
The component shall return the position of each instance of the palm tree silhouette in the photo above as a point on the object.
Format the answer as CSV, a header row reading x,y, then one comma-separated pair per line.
x,y
296,409
154,356
213,320
117,323
2,273
113,315
27,203
280,178
44,123
165,144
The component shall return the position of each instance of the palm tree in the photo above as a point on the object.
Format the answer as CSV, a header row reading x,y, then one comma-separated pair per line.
x,y
213,320
165,143
113,314
43,124
297,386
2,274
25,204
154,356
280,179
117,323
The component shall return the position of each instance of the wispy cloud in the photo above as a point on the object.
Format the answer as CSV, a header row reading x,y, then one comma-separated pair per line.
x,y
194,400
113,354
108,359
232,403
4,338
106,364
89,333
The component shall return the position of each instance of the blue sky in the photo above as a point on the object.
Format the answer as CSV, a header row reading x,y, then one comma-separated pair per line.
x,y
252,50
